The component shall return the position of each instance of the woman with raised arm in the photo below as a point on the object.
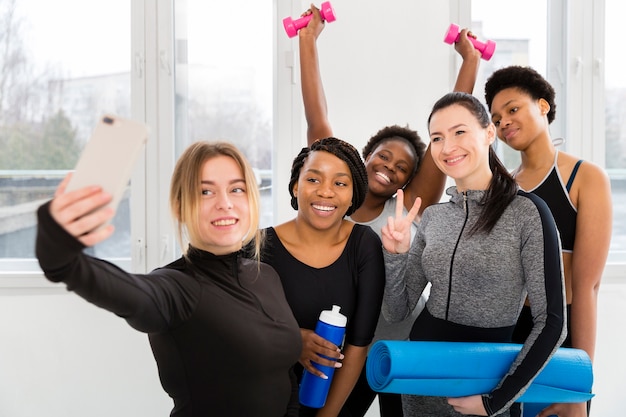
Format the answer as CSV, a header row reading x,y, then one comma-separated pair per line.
x,y
482,252
395,157
221,331
522,105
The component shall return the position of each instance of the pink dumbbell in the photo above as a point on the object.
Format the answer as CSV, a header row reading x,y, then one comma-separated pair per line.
x,y
486,49
293,26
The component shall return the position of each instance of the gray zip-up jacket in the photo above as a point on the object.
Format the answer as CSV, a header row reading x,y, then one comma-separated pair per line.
x,y
480,282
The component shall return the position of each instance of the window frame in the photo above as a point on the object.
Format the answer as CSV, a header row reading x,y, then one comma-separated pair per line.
x,y
575,67
581,39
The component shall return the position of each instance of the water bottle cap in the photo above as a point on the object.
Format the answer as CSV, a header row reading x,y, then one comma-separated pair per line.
x,y
334,317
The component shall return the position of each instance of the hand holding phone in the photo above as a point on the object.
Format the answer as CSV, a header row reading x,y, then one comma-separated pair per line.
x,y
109,157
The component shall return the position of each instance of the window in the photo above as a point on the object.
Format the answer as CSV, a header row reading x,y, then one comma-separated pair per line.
x,y
188,80
226,84
54,86
519,41
538,36
615,124
224,89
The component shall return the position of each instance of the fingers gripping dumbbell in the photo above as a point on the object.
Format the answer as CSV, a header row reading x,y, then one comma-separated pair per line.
x,y
293,26
486,48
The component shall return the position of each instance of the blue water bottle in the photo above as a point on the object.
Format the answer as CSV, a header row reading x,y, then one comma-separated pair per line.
x,y
314,389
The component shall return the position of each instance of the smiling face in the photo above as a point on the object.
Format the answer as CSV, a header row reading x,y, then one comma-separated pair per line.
x,y
324,190
389,167
460,146
224,211
519,119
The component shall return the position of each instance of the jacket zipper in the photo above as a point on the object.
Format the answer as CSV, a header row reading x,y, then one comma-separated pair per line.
x,y
458,240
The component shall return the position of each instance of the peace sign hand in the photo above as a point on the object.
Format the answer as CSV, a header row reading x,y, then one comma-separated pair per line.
x,y
396,234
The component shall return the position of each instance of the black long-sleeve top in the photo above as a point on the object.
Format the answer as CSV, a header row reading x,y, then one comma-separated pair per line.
x,y
221,331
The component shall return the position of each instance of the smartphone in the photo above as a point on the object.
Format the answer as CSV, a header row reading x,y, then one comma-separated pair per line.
x,y
109,156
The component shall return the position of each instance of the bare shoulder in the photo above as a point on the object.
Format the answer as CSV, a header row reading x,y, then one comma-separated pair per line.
x,y
588,172
591,187
592,174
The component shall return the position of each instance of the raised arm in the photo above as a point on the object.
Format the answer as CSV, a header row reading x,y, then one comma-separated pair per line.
x,y
466,78
401,296
315,109
429,182
69,223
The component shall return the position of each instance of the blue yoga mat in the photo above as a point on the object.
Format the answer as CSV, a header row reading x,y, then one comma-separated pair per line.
x,y
458,369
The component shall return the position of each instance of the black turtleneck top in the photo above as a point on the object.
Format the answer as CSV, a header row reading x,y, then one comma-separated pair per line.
x,y
221,331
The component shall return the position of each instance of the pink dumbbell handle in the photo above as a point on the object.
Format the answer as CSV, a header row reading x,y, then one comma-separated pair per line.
x,y
293,26
486,48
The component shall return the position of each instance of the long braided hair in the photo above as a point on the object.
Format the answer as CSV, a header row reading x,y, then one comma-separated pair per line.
x,y
342,150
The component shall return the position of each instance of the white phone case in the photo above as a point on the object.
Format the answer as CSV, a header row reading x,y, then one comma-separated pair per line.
x,y
108,158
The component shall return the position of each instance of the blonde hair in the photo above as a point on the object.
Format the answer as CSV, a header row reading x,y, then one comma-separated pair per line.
x,y
185,195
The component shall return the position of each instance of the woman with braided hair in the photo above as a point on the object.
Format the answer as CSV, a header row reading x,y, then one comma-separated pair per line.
x,y
323,259
395,158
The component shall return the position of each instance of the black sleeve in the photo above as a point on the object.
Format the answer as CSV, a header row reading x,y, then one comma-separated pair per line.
x,y
370,277
545,284
149,303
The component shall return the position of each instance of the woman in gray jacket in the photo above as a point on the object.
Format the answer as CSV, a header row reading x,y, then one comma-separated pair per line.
x,y
483,252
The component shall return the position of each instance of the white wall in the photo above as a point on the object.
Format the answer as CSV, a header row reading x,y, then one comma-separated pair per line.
x,y
609,367
63,357
384,63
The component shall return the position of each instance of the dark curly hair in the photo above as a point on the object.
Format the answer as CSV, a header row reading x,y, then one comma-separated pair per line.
x,y
396,132
342,150
524,78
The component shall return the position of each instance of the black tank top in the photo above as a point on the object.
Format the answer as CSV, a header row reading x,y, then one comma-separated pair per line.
x,y
556,195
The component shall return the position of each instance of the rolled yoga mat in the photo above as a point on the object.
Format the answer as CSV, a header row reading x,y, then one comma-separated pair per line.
x,y
458,369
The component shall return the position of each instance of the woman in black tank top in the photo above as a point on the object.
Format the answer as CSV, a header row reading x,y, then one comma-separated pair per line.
x,y
522,105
